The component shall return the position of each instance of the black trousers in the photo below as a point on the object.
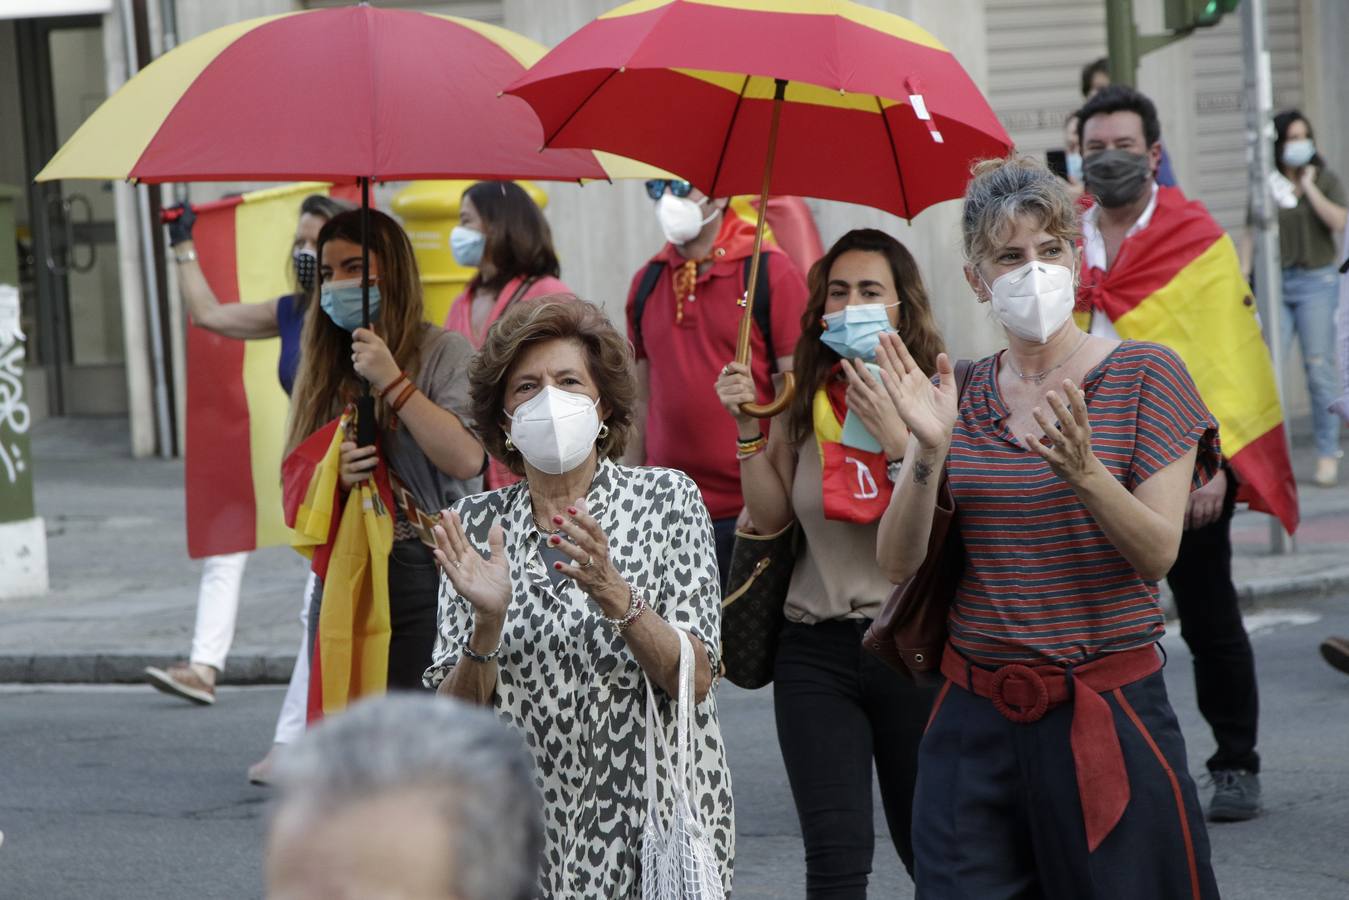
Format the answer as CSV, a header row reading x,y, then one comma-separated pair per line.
x,y
1210,623
414,586
998,815
839,711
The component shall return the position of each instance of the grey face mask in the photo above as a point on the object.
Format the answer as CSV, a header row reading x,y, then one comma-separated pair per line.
x,y
1116,177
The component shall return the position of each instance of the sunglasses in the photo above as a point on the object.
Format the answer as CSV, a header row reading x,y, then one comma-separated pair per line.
x,y
655,188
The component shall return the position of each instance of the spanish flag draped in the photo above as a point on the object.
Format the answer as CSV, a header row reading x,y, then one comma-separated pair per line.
x,y
1177,282
236,408
349,543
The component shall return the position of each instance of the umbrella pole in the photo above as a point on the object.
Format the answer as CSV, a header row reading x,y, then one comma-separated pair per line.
x,y
742,348
365,404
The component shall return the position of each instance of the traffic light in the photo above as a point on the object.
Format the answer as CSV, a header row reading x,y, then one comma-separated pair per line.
x,y
1186,15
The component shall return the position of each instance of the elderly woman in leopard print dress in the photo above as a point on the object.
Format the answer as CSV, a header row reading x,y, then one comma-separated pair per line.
x,y
562,591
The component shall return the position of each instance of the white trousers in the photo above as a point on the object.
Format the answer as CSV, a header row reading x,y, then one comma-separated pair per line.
x,y
290,723
217,609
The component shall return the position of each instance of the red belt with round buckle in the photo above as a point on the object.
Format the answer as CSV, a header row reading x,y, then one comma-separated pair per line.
x,y
1024,694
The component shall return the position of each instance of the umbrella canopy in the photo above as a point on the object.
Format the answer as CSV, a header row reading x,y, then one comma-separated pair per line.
x,y
333,95
876,111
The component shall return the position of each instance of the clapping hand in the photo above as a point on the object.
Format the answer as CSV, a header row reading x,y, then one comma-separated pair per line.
x,y
928,410
868,398
485,583
1066,445
593,571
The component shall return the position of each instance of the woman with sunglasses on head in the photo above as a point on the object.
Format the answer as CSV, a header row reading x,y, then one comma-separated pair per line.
x,y
418,374
683,320
827,464
502,233
218,596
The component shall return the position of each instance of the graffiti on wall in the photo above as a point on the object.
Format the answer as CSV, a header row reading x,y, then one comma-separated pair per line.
x,y
14,413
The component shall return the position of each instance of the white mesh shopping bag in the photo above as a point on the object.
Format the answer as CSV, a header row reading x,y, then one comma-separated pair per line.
x,y
678,860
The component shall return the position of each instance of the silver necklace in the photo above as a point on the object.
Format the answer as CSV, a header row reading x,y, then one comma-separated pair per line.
x,y
1038,378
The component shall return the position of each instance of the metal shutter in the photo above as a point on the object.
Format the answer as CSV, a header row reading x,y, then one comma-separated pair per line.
x,y
1036,51
1220,118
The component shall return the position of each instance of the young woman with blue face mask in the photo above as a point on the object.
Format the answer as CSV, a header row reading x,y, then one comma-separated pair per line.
x,y
419,376
825,465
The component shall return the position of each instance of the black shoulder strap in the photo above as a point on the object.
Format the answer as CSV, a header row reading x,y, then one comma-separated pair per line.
x,y
763,307
964,369
650,278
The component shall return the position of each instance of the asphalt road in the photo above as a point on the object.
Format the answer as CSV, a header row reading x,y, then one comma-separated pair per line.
x,y
120,792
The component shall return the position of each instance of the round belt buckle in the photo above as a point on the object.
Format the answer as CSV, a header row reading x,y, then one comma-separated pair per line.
x,y
1020,715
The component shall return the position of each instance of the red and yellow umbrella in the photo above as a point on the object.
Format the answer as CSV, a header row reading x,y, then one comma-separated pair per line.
x,y
332,95
817,98
876,111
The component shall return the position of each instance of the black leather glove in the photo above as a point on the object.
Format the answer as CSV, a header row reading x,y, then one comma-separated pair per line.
x,y
180,229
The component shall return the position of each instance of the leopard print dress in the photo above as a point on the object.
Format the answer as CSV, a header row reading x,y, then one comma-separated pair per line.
x,y
572,688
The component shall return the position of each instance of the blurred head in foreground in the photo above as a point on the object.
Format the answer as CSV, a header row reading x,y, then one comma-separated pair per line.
x,y
406,798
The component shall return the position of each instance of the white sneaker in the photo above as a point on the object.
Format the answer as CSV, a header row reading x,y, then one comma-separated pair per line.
x,y
1327,472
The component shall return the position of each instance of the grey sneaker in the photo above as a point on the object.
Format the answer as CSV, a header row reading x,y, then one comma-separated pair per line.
x,y
1236,796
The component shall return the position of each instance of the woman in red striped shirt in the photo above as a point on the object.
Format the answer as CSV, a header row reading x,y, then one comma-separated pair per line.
x,y
1053,765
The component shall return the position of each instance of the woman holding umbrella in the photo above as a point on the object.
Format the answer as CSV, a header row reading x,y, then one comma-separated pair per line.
x,y
419,376
839,710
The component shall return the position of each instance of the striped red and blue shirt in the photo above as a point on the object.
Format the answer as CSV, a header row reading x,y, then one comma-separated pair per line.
x,y
1042,582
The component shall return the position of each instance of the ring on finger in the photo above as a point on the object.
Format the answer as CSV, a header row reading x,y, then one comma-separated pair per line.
x,y
590,561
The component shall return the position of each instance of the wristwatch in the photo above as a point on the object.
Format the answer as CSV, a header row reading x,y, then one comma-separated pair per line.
x,y
187,257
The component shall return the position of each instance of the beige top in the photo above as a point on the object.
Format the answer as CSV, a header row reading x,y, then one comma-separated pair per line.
x,y
836,576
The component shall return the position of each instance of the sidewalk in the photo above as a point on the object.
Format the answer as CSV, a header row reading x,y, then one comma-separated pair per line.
x,y
123,592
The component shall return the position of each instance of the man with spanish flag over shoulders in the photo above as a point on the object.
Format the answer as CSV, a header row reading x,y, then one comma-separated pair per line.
x,y
1157,267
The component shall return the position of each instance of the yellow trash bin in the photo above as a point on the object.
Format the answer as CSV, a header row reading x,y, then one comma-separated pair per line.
x,y
430,210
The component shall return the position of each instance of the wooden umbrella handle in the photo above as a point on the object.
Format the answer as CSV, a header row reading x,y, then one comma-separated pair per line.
x,y
742,346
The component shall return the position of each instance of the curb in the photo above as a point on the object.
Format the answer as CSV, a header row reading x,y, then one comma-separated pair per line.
x,y
263,669
129,668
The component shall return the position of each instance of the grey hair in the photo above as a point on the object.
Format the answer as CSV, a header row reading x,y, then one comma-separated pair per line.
x,y
475,769
1003,190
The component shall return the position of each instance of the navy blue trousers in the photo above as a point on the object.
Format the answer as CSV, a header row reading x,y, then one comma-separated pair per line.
x,y
997,814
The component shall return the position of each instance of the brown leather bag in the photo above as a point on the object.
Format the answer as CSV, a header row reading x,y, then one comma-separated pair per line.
x,y
910,631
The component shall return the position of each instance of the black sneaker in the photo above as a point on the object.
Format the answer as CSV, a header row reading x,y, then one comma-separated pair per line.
x,y
1236,796
1335,650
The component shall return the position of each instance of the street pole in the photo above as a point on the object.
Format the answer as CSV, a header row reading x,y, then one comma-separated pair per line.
x,y
1121,47
1264,216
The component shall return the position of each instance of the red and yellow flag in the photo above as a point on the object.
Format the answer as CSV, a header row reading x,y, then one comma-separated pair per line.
x,y
236,409
1178,282
349,542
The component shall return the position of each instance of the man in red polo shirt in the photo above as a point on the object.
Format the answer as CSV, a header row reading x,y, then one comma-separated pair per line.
x,y
683,318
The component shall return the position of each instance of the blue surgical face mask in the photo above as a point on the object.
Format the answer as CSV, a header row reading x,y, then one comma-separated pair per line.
x,y
1298,153
854,331
1074,165
341,300
467,245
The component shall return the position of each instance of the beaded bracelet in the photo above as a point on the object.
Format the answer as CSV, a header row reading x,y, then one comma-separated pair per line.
x,y
636,606
478,657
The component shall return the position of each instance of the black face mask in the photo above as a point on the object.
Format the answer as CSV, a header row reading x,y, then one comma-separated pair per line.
x,y
306,268
1116,177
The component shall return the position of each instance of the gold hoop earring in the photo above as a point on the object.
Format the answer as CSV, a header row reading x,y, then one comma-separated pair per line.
x,y
509,445
604,431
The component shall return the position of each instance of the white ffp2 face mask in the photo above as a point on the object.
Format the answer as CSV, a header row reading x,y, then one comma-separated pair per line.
x,y
681,218
1034,301
555,430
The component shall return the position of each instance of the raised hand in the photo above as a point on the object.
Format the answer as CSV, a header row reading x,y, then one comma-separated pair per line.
x,y
484,583
593,571
372,360
735,386
1067,443
928,410
868,398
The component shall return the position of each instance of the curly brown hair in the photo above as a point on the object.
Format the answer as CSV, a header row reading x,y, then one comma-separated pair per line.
x,y
917,327
556,317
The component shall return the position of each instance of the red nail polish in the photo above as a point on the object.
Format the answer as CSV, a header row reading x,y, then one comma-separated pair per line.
x,y
557,566
557,520
571,510
555,540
